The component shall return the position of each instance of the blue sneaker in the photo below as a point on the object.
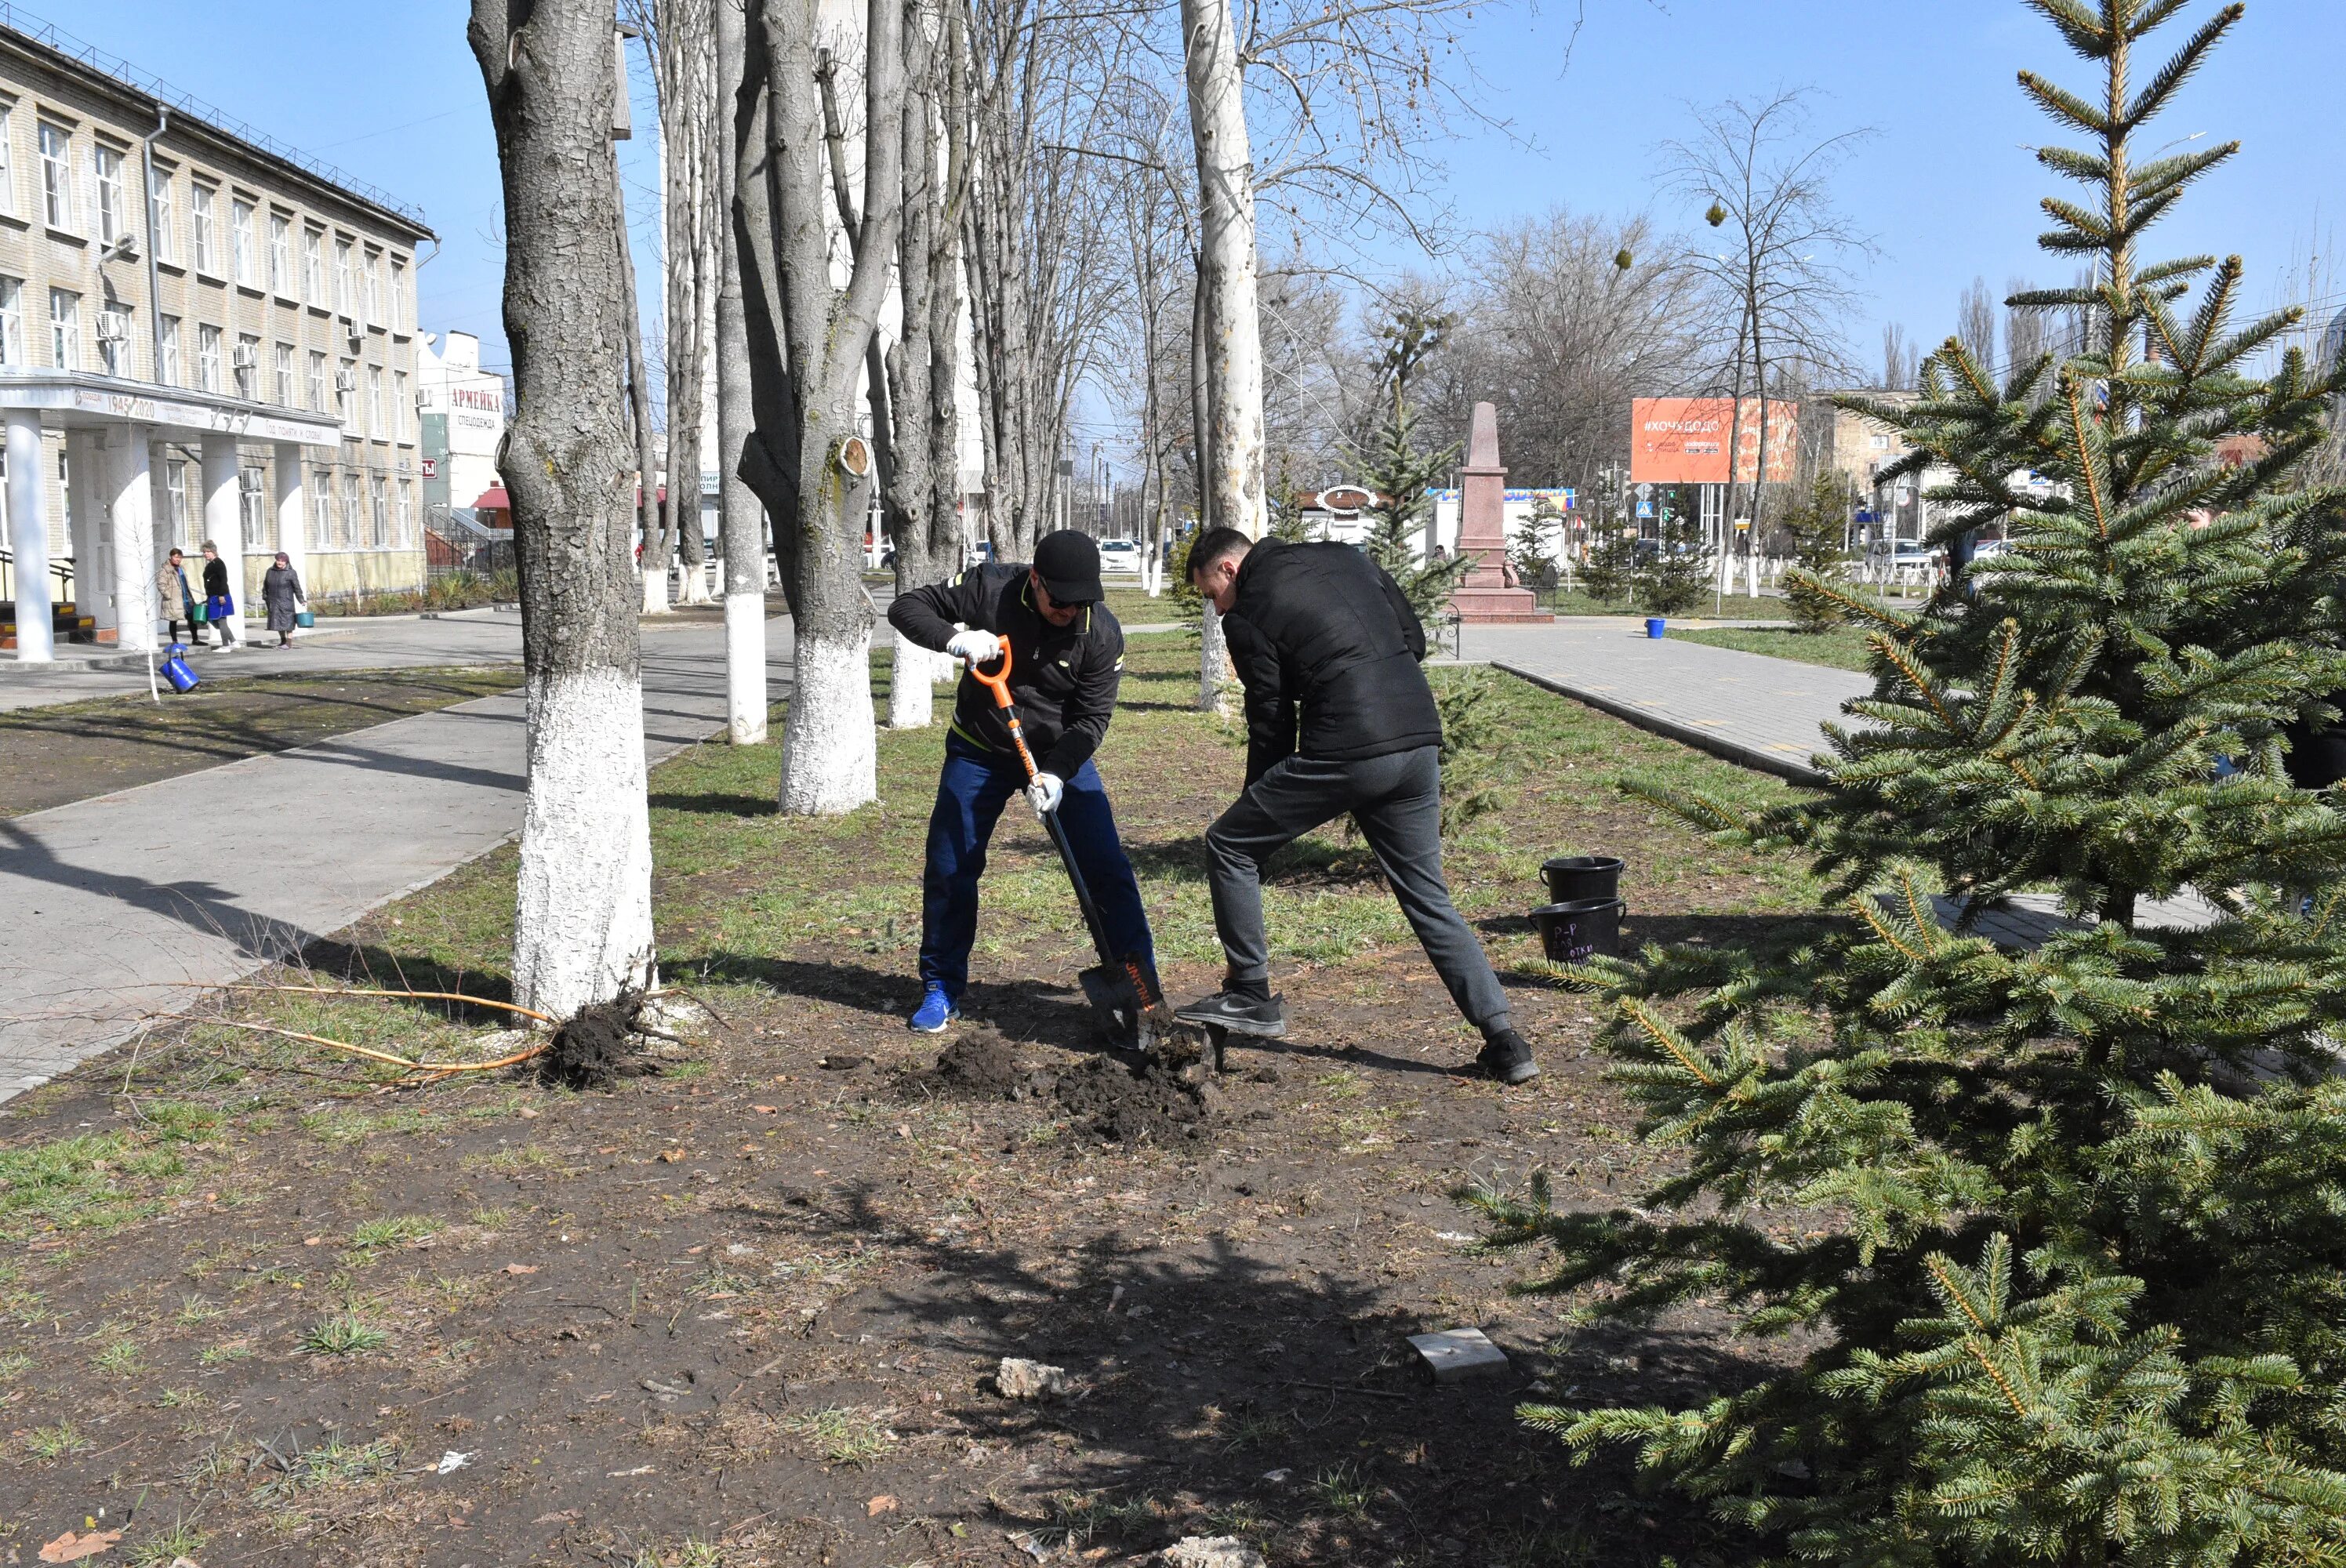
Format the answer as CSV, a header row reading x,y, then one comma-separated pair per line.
x,y
936,1012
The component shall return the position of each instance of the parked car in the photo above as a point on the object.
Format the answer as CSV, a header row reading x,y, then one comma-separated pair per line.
x,y
1120,555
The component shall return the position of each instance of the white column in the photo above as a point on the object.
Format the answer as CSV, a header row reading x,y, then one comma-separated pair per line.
x,y
28,535
292,528
86,510
134,538
224,520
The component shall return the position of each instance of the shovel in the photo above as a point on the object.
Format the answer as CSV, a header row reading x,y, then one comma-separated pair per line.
x,y
1129,1010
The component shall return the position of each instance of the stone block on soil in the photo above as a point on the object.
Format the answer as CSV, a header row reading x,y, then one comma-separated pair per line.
x,y
1210,1551
1453,1355
1018,1379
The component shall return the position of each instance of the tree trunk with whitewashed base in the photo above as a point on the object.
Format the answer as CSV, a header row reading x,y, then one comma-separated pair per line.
x,y
807,341
741,519
583,916
1227,266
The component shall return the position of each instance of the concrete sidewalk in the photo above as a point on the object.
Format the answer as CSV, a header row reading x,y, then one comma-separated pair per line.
x,y
210,876
459,637
1750,708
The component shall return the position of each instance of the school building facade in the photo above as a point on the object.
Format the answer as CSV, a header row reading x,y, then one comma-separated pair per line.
x,y
203,336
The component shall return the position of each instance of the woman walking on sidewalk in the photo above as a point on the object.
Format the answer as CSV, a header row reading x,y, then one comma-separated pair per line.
x,y
174,597
280,591
218,605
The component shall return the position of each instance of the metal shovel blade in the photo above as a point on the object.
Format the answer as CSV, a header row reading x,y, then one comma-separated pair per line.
x,y
1116,1007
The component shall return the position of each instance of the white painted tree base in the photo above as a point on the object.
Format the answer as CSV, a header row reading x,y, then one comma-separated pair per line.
x,y
583,902
745,668
829,744
695,586
912,681
655,591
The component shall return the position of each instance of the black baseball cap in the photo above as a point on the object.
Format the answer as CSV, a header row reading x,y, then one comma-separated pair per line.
x,y
1068,563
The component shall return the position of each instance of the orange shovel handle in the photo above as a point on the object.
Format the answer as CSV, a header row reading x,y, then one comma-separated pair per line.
x,y
998,683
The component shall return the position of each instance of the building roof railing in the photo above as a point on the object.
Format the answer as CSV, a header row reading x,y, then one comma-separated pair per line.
x,y
48,35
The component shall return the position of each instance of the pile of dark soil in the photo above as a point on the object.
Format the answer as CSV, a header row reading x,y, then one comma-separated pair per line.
x,y
601,1044
1125,1105
980,1065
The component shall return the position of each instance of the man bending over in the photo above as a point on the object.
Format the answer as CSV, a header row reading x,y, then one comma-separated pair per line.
x,y
1338,718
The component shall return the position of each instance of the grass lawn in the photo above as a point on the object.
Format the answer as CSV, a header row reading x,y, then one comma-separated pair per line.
x,y
1734,608
1842,648
747,1312
71,751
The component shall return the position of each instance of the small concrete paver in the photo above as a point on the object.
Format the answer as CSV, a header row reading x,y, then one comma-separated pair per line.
x,y
1751,708
116,904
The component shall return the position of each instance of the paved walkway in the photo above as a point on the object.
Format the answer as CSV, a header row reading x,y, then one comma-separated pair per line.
x,y
460,637
210,876
1750,708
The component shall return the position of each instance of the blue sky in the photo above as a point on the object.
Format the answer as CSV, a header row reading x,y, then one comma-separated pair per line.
x,y
391,95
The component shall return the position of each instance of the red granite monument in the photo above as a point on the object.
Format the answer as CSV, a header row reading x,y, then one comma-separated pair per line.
x,y
1487,593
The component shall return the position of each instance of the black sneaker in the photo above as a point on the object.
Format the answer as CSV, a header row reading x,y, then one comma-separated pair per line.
x,y
1238,1013
1506,1057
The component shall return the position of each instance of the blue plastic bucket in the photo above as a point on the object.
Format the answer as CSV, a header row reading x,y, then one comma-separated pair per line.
x,y
305,619
176,670
1653,624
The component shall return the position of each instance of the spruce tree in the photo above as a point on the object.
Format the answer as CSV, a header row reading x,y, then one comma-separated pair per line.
x,y
1816,529
1675,578
1612,569
1399,474
2058,1235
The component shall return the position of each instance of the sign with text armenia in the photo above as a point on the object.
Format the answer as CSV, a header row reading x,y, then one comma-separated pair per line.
x,y
1683,439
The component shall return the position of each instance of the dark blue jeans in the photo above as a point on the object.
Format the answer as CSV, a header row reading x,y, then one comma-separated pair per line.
x,y
970,792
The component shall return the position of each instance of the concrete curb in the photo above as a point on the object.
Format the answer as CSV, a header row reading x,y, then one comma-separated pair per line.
x,y
1691,735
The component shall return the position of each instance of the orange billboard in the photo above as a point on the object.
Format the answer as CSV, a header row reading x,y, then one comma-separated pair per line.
x,y
1683,439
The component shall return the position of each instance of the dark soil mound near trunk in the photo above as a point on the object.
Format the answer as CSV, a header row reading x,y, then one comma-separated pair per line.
x,y
601,1043
980,1065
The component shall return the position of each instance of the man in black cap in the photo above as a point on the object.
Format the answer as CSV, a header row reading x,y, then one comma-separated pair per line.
x,y
1067,656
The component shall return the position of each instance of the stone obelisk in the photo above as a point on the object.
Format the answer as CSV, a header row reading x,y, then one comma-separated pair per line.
x,y
1483,596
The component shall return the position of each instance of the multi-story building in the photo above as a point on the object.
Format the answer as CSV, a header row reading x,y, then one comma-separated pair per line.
x,y
203,336
462,417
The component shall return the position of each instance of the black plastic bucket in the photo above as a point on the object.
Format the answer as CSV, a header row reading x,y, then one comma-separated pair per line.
x,y
1581,928
1574,878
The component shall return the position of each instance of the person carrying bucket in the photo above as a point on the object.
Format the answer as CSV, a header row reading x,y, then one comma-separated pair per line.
x,y
174,599
1340,719
219,605
1066,661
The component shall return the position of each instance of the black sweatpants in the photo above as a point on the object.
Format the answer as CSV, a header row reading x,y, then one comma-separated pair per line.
x,y
1396,799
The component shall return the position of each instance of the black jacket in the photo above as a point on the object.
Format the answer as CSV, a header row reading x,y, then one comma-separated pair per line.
x,y
215,579
1328,649
1063,679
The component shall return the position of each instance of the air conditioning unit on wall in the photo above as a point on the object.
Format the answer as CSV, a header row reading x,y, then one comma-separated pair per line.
x,y
244,359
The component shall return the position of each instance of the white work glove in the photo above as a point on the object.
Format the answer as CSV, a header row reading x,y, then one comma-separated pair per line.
x,y
977,647
1045,792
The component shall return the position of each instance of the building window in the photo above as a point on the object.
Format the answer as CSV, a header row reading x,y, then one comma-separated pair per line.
x,y
65,329
113,342
206,223
160,190
374,286
406,515
322,510
400,407
11,321
342,288
175,493
350,511
239,231
401,319
285,376
346,386
7,159
313,266
378,422
251,505
318,380
281,255
207,359
57,177
379,513
113,214
171,351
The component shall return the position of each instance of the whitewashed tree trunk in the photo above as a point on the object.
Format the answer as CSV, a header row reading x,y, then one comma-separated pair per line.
x,y
911,685
582,907
1213,669
1227,265
830,758
654,590
740,518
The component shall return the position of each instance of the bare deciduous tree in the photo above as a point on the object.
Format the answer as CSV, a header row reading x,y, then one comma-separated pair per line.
x,y
807,339
583,916
740,518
